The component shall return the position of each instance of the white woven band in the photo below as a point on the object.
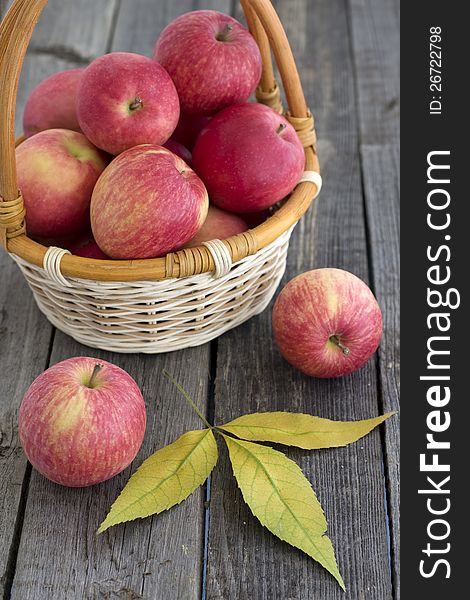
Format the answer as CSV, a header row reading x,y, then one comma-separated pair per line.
x,y
51,265
221,256
313,177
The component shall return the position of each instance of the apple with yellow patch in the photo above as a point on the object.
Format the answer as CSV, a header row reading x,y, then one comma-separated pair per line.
x,y
82,421
57,170
219,224
327,322
146,203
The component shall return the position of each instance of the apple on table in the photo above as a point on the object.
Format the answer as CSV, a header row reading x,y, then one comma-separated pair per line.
x,y
327,322
82,421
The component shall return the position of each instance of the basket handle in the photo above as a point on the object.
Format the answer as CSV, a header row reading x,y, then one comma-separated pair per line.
x,y
266,27
16,30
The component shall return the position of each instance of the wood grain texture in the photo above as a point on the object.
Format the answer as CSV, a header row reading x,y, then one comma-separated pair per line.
x,y
24,346
375,28
376,45
75,30
381,181
159,557
246,561
139,29
154,558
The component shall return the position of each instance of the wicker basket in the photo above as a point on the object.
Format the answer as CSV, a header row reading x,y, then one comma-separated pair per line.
x,y
187,297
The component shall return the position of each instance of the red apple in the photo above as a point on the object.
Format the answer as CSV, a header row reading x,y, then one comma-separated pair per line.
x,y
220,225
213,60
82,421
256,218
146,203
249,157
57,170
188,129
327,322
179,150
51,104
86,246
126,99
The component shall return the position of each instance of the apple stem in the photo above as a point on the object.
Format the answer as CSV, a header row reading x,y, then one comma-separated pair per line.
x,y
335,339
223,35
136,104
281,128
96,370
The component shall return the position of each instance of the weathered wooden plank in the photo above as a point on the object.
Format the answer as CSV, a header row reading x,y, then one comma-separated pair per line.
x,y
159,557
4,4
245,561
75,30
375,29
139,28
24,347
376,50
156,558
381,181
53,39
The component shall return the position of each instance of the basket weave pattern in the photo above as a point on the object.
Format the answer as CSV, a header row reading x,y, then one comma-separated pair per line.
x,y
159,316
187,297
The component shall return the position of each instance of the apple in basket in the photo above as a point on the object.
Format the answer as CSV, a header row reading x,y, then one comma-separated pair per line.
x,y
327,322
249,157
51,104
57,170
188,129
82,421
179,150
86,246
126,99
219,224
148,202
213,60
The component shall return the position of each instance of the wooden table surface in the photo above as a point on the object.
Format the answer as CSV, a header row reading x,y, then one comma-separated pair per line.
x,y
211,546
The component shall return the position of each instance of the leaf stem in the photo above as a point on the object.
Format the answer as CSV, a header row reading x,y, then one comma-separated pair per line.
x,y
190,401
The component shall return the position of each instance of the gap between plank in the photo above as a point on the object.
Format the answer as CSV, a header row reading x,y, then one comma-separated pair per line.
x,y
112,29
60,52
17,532
380,403
214,346
370,269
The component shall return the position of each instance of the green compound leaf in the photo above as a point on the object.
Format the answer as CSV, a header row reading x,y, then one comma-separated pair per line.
x,y
301,430
283,500
166,478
